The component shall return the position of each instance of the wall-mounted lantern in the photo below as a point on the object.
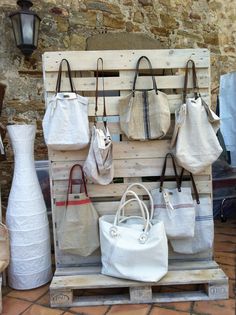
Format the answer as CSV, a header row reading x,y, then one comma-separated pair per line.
x,y
25,25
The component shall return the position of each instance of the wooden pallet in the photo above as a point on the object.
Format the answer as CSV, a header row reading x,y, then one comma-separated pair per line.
x,y
208,282
133,161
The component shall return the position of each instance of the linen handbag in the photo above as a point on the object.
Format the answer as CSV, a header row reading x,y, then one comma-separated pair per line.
x,y
144,114
78,226
204,227
174,206
4,247
194,139
98,165
136,251
65,123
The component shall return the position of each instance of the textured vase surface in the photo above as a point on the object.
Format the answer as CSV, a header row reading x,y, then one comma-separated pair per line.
x,y
26,217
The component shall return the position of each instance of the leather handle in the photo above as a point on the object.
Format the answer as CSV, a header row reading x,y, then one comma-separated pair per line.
x,y
151,73
69,190
193,183
58,84
162,178
103,93
195,85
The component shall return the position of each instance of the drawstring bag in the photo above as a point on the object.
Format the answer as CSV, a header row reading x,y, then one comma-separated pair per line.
x,y
133,247
144,114
204,226
65,123
194,139
174,206
78,222
4,247
98,166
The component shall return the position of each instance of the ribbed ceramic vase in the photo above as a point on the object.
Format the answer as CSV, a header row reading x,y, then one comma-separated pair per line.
x,y
26,217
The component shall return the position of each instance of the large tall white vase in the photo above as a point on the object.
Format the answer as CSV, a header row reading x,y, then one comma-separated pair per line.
x,y
26,217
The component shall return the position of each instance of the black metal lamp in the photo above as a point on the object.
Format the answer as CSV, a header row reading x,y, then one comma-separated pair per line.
x,y
25,25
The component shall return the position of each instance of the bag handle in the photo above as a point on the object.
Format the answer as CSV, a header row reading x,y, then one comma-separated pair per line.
x,y
58,85
195,85
193,183
137,72
146,190
69,190
162,178
103,94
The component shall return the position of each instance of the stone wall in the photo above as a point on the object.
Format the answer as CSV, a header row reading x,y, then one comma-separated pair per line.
x,y
74,24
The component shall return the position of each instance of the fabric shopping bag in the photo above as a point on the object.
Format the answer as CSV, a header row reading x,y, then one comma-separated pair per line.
x,y
135,250
78,224
204,227
98,166
65,123
4,247
194,139
144,114
174,206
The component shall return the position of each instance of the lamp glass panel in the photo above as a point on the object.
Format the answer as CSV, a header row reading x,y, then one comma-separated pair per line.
x,y
36,30
27,21
16,24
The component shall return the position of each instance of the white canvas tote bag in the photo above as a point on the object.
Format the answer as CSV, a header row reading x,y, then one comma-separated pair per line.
x,y
98,166
194,139
65,123
144,114
135,250
174,206
78,225
204,227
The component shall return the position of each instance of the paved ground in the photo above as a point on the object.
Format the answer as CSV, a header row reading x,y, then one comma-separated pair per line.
x,y
36,302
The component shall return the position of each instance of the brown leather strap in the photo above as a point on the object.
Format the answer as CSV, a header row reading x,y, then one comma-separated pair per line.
x,y
193,183
103,93
151,73
58,85
69,190
162,178
195,86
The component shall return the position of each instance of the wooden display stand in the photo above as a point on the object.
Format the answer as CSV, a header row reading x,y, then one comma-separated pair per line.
x,y
76,277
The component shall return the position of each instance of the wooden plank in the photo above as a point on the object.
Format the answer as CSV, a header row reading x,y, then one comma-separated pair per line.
x,y
179,277
138,294
126,59
125,83
116,190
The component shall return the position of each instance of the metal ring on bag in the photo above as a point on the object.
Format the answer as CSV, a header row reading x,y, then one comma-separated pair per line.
x,y
143,238
113,231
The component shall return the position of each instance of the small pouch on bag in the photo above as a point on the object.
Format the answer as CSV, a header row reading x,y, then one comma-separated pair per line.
x,y
98,166
174,206
144,114
4,247
78,227
204,226
194,139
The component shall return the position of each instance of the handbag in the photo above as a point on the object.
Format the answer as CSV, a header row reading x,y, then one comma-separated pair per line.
x,y
204,226
78,221
98,166
194,139
65,123
133,247
4,247
144,114
174,206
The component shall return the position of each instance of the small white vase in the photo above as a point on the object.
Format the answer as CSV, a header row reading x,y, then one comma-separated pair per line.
x,y
26,217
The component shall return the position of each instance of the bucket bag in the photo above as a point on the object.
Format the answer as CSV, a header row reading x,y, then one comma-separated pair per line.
x,y
174,206
204,226
77,221
194,140
144,114
65,123
98,166
133,247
